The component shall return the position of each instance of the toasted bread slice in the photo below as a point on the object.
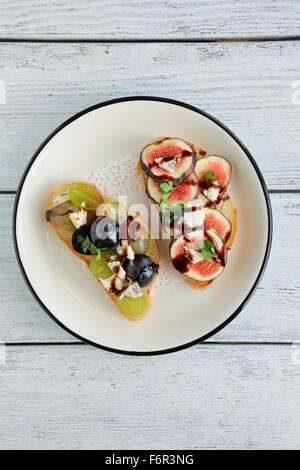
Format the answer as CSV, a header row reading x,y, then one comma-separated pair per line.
x,y
65,234
225,206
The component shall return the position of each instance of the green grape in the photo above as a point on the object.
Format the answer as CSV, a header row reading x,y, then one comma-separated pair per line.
x,y
133,307
140,245
108,209
80,192
100,269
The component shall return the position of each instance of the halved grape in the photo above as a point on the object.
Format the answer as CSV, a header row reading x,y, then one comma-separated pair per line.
x,y
108,209
131,306
100,269
81,192
140,245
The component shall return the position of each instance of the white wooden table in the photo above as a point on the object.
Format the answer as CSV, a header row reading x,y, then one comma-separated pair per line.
x,y
239,61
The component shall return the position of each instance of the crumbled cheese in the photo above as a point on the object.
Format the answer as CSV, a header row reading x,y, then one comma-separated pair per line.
x,y
193,256
117,268
212,193
125,248
168,165
112,280
194,218
79,217
133,290
63,197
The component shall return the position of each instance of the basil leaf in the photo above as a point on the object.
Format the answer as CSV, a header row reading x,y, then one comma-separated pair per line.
x,y
163,200
208,249
166,187
209,175
87,245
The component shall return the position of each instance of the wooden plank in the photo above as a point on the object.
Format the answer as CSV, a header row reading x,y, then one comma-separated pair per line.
x,y
272,314
116,19
207,397
246,85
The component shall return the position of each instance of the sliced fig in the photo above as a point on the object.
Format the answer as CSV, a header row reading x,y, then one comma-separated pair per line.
x,y
177,220
206,201
219,166
168,159
217,221
188,247
183,192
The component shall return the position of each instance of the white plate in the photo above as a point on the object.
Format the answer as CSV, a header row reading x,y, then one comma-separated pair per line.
x,y
177,318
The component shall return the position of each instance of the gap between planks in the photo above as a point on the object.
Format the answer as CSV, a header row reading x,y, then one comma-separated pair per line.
x,y
151,40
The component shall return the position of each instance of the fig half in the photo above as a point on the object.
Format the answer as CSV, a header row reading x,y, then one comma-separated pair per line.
x,y
217,221
200,269
168,159
183,192
218,167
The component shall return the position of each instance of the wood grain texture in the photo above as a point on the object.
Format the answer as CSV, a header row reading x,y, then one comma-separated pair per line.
x,y
210,396
272,315
118,19
246,85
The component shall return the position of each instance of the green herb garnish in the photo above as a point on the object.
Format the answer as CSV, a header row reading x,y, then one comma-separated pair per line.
x,y
87,245
207,249
166,188
209,175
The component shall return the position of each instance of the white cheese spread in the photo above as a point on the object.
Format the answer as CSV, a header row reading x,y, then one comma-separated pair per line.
x,y
212,193
125,248
79,217
63,197
117,268
193,256
112,281
168,165
133,290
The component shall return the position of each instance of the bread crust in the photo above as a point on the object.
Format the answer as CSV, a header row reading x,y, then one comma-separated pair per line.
x,y
66,238
225,206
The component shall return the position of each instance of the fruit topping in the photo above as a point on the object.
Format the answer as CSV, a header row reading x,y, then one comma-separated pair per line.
x,y
140,245
200,255
181,218
168,160
108,209
216,220
138,234
82,192
79,217
142,269
213,173
185,191
59,217
105,233
206,201
133,307
78,236
100,269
